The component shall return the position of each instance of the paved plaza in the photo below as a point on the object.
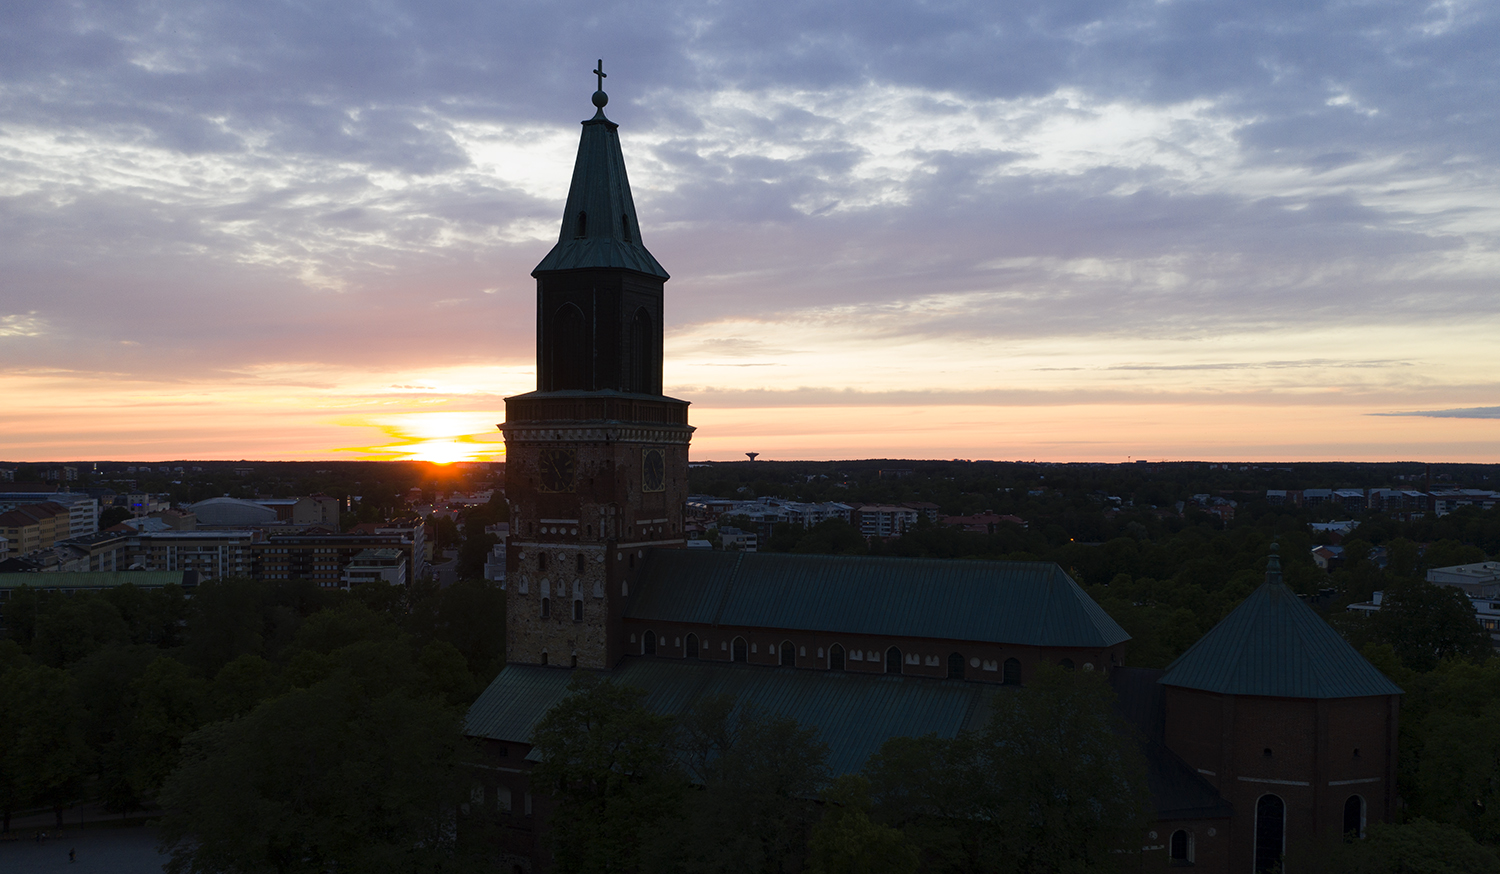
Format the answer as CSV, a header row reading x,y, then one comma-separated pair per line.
x,y
99,851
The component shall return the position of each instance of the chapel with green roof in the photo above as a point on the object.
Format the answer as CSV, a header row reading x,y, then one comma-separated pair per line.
x,y
1268,736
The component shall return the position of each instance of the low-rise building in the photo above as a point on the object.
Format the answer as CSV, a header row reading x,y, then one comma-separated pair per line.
x,y
883,520
211,554
987,522
736,540
323,557
1480,579
376,566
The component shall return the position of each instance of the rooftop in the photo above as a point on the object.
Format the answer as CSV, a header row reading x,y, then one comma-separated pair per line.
x,y
1273,644
1029,603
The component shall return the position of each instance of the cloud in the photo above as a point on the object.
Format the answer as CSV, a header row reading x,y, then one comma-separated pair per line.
x,y
27,325
355,186
1462,413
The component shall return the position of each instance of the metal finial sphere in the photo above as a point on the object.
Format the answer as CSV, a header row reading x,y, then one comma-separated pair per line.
x,y
600,98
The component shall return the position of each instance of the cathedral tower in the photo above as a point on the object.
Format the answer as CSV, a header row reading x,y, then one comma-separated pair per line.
x,y
596,457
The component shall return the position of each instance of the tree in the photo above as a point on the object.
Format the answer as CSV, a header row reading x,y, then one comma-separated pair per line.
x,y
607,764
1417,847
471,616
832,537
473,553
44,757
1459,774
755,777
847,841
76,627
1050,784
318,779
1426,624
112,516
169,706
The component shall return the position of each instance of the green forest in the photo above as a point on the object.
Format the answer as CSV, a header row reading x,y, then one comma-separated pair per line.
x,y
282,727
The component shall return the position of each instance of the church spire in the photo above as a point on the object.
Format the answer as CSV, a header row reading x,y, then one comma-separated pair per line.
x,y
1273,565
599,226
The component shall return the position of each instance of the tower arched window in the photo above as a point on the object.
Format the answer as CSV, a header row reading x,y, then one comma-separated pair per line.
x,y
740,651
1180,847
541,561
546,608
577,610
648,643
583,224
835,658
580,562
1012,675
893,661
955,666
1270,833
642,352
570,349
690,646
788,654
1354,817
625,227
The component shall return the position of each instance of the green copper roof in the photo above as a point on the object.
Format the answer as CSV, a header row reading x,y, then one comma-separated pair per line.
x,y
599,227
92,579
854,714
1275,645
1032,603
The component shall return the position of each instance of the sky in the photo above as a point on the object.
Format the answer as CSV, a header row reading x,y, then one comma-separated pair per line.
x,y
1064,231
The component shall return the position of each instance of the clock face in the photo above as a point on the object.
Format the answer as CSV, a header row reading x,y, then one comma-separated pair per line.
x,y
653,471
558,468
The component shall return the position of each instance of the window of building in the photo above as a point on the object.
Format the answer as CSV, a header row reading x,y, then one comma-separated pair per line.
x,y
583,224
835,658
1354,817
740,651
893,661
1067,664
955,666
541,561
544,657
1180,847
1270,833
577,610
788,654
648,643
625,227
570,358
1012,675
546,608
691,649
580,562
642,351
574,661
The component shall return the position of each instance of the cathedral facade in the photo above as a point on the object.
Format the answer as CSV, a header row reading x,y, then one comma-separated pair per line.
x,y
1268,738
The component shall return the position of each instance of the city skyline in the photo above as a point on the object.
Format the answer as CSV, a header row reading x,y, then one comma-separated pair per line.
x,y
1213,233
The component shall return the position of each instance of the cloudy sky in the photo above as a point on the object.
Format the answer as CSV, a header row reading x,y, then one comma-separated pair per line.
x,y
1086,230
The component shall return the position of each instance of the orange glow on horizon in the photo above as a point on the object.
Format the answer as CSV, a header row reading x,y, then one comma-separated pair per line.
x,y
439,438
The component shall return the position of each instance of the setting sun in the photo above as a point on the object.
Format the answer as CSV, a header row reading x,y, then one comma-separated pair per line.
x,y
441,438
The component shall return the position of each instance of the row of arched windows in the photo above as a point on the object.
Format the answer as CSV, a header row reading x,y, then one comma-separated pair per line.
x,y
571,365
895,661
577,609
1270,831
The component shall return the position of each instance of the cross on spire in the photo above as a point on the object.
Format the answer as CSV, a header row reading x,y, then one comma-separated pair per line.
x,y
599,71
